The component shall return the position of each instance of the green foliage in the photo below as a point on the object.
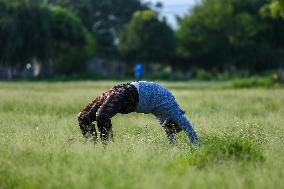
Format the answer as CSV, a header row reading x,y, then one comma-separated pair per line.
x,y
275,9
104,19
253,82
30,30
67,27
73,45
225,34
147,39
25,32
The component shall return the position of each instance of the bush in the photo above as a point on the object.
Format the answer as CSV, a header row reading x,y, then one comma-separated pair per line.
x,y
253,82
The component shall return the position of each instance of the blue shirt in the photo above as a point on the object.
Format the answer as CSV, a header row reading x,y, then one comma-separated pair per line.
x,y
155,99
138,70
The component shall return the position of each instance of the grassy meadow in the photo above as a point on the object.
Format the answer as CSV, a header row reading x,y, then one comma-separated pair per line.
x,y
241,133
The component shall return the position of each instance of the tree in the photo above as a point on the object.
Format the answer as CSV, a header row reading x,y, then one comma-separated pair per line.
x,y
104,19
5,24
219,34
147,39
29,30
25,33
72,44
201,34
275,9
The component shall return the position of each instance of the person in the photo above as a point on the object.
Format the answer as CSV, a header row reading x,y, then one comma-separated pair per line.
x,y
141,97
138,71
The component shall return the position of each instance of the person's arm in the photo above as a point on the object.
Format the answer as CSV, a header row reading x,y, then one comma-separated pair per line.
x,y
183,122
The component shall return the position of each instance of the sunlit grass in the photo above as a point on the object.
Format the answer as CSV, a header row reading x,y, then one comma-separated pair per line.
x,y
241,140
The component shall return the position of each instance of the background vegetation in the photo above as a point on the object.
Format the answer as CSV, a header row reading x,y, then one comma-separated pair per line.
x,y
218,36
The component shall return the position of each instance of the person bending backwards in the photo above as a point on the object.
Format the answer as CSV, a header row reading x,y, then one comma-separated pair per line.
x,y
141,97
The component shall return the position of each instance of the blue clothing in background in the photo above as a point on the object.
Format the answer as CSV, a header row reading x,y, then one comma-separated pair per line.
x,y
138,71
159,101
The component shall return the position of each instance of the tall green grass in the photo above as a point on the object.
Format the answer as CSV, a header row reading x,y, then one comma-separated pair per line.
x,y
241,140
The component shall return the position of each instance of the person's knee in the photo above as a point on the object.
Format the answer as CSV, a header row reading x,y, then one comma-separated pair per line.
x,y
83,118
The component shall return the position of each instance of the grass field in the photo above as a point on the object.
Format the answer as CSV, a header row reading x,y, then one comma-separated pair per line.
x,y
241,133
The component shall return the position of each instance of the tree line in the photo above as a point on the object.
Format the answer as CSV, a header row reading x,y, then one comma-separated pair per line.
x,y
224,34
215,35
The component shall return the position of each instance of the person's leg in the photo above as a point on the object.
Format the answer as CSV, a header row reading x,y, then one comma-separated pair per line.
x,y
103,117
91,109
123,99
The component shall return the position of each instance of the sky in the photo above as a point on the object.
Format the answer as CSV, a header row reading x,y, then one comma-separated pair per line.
x,y
174,7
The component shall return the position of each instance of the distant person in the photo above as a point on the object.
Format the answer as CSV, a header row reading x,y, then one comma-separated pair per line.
x,y
141,97
138,71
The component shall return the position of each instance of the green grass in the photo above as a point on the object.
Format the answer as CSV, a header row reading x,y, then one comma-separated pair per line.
x,y
241,133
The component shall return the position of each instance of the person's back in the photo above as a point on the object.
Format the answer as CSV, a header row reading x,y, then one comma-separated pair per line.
x,y
152,96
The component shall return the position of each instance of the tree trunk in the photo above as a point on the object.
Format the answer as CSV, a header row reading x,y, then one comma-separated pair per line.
x,y
8,71
280,75
44,69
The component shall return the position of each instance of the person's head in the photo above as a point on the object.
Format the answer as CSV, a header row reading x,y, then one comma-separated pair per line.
x,y
171,127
